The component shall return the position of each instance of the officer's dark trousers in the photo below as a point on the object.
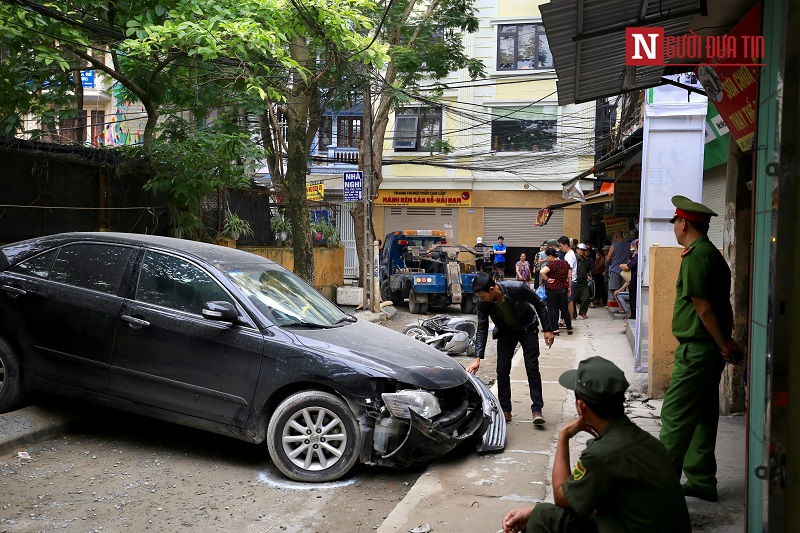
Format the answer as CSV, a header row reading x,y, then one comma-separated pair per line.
x,y
549,518
530,352
690,414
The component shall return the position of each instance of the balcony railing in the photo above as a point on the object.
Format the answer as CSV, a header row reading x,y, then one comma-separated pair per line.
x,y
343,155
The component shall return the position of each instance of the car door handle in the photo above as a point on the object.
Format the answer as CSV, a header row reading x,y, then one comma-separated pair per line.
x,y
13,292
135,321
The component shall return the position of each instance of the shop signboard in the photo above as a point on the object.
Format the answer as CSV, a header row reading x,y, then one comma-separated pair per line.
x,y
628,192
616,224
353,186
315,191
424,198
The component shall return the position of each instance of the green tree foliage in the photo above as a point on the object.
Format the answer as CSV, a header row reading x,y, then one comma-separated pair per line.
x,y
190,164
325,37
425,44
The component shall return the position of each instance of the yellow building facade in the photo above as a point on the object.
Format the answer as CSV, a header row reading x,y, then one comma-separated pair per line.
x,y
510,144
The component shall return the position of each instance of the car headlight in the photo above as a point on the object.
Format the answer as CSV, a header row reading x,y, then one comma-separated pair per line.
x,y
423,403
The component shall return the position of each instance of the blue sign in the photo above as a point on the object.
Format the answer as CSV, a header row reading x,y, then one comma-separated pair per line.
x,y
353,186
87,79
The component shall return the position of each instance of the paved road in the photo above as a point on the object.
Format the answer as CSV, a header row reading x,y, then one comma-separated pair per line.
x,y
119,471
115,471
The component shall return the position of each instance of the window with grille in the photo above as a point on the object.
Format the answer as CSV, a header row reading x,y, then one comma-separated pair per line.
x,y
348,132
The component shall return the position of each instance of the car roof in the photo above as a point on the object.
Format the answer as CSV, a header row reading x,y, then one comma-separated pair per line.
x,y
212,253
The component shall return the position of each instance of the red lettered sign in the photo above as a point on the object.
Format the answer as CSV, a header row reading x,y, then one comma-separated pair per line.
x,y
734,88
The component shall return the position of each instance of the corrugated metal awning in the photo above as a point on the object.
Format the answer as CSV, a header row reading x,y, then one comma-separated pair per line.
x,y
587,40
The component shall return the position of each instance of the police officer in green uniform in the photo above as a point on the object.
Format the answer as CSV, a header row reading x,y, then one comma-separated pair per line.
x,y
623,481
702,321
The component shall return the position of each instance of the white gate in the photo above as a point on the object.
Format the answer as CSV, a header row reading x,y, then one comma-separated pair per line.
x,y
347,234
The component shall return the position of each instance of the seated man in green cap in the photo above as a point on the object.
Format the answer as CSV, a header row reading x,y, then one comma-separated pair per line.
x,y
623,480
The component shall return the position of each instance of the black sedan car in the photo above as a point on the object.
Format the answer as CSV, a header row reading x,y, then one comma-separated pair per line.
x,y
227,341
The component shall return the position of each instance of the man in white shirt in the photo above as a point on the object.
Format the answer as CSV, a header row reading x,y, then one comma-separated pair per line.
x,y
569,257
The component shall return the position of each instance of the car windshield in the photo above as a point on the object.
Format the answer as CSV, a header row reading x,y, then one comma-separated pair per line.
x,y
284,298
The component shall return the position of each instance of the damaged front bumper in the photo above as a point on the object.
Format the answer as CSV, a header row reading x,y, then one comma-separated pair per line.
x,y
426,439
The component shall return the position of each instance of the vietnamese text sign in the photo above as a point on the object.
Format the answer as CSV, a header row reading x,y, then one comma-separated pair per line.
x,y
87,79
315,191
733,88
628,192
432,198
354,186
615,223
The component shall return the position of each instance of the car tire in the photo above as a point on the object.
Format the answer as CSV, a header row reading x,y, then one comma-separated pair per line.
x,y
468,304
417,304
10,378
327,454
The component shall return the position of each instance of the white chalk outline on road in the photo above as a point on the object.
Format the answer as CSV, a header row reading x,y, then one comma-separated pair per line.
x,y
267,479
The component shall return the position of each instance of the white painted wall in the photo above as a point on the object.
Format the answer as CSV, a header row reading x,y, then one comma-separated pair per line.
x,y
672,163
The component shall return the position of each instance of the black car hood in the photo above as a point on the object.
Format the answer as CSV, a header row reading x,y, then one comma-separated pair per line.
x,y
393,354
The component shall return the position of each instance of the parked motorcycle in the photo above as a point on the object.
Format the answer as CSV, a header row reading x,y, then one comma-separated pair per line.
x,y
452,335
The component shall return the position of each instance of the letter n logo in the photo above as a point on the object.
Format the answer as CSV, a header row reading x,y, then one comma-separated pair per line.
x,y
644,46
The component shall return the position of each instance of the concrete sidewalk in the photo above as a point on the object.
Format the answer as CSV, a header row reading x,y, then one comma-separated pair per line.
x,y
30,425
472,493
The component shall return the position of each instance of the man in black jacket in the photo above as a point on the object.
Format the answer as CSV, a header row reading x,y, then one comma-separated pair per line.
x,y
511,305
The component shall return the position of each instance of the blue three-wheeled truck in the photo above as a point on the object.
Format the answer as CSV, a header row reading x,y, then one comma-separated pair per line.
x,y
423,266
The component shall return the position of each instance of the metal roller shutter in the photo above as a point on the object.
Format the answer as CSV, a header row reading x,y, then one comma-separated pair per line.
x,y
517,226
399,218
714,183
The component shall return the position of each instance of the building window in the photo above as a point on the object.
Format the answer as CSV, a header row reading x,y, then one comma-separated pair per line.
x,y
73,130
417,129
525,130
523,47
348,132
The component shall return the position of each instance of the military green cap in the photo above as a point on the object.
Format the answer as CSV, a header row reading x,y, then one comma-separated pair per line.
x,y
552,243
597,380
692,211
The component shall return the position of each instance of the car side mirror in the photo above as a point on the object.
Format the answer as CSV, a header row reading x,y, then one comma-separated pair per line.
x,y
222,311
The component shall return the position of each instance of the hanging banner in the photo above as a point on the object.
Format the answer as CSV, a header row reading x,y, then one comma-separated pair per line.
x,y
733,88
315,191
615,224
543,216
419,198
573,191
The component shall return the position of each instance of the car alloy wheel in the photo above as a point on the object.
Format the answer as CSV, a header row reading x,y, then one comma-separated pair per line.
x,y
313,436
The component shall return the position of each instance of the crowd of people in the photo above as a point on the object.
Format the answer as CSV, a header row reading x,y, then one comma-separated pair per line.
x,y
625,479
574,275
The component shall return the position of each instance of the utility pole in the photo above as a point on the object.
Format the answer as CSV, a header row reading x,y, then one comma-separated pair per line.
x,y
368,174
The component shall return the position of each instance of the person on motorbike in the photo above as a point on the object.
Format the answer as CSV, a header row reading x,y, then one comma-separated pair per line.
x,y
513,307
